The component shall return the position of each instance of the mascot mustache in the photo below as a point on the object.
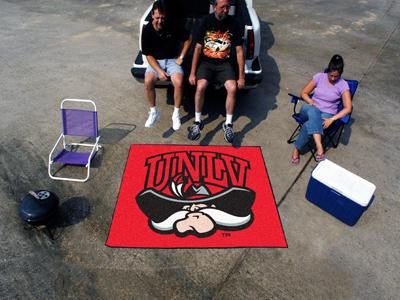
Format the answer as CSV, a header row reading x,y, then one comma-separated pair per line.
x,y
217,216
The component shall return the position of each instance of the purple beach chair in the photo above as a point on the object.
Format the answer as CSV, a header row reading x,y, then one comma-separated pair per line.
x,y
76,123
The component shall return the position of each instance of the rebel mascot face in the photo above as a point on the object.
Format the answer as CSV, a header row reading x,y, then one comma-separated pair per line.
x,y
196,193
200,220
197,223
195,220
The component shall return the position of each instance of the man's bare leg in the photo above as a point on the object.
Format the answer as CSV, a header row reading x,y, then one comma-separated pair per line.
x,y
149,87
149,83
177,82
230,86
199,96
194,130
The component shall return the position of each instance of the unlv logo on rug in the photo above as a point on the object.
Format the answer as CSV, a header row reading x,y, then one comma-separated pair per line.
x,y
214,196
196,193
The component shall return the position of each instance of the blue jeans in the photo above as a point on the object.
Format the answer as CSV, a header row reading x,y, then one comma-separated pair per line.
x,y
313,124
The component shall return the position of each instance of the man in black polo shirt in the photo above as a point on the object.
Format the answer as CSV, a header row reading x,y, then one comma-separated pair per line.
x,y
218,35
160,44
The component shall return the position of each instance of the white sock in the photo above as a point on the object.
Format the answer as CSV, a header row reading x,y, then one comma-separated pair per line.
x,y
197,116
176,111
153,109
228,119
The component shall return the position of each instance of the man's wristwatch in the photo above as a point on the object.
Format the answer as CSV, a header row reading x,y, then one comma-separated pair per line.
x,y
181,57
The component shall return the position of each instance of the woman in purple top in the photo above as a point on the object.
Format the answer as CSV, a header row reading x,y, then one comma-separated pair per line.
x,y
321,110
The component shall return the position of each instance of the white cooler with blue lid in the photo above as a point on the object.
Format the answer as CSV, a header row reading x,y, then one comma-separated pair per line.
x,y
339,192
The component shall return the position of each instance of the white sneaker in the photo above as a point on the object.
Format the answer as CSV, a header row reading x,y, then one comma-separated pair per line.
x,y
176,122
152,119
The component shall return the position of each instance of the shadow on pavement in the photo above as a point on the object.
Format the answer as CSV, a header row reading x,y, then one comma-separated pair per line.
x,y
256,104
115,132
346,134
72,211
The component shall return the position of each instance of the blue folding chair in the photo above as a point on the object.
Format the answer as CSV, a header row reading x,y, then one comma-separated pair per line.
x,y
333,133
77,123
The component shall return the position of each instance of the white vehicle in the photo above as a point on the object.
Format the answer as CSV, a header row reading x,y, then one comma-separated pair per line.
x,y
191,11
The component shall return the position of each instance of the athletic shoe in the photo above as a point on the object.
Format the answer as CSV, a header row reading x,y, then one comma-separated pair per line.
x,y
194,130
228,132
176,121
153,118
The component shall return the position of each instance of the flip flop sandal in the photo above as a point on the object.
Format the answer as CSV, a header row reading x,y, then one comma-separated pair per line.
x,y
320,157
295,161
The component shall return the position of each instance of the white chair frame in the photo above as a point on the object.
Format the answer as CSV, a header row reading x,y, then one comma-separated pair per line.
x,y
95,147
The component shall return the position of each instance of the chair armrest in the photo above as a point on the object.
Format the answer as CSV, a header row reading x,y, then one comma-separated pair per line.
x,y
295,99
95,148
345,119
52,150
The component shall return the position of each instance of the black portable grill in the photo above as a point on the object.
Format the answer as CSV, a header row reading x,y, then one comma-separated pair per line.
x,y
38,207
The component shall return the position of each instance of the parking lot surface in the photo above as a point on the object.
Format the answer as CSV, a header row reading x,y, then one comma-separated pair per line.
x,y
50,50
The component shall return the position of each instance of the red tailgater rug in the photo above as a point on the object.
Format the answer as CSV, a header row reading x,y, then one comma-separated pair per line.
x,y
178,196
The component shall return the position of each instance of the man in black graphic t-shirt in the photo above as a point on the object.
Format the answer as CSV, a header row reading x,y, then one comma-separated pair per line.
x,y
217,37
161,45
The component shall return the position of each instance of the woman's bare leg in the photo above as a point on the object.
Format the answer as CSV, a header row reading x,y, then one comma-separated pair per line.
x,y
295,153
318,143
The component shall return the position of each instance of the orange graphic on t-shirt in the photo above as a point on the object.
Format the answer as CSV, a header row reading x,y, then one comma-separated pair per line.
x,y
217,44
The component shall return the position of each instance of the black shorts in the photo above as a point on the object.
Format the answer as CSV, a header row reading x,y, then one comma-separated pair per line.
x,y
218,73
